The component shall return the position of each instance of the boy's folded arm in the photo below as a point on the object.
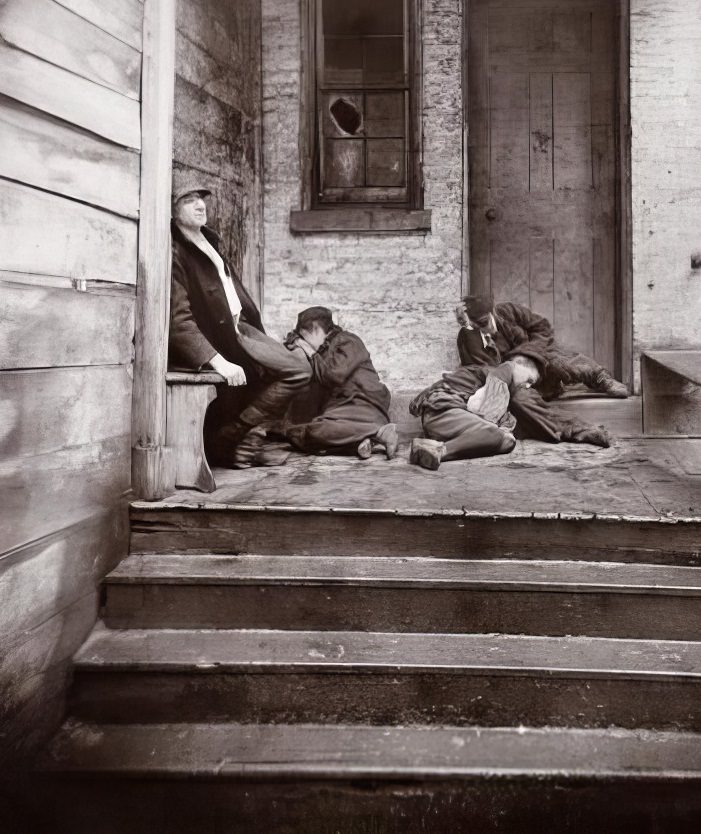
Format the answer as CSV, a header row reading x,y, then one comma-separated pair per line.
x,y
333,367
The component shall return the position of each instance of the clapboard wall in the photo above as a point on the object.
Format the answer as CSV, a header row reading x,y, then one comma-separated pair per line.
x,y
666,171
217,128
69,201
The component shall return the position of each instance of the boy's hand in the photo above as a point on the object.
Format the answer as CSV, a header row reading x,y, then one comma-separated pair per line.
x,y
232,373
291,340
306,347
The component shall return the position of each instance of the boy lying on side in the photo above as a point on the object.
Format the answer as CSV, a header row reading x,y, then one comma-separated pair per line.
x,y
465,413
355,418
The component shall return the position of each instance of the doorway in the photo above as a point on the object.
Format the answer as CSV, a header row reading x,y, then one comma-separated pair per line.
x,y
546,203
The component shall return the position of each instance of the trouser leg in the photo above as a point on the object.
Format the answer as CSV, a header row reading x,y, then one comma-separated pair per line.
x,y
465,435
534,417
337,429
285,372
574,368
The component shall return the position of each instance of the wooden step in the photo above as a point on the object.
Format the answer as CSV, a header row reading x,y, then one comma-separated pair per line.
x,y
319,779
303,751
324,531
344,593
386,678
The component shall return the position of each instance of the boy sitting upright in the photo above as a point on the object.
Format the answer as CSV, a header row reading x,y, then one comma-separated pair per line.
x,y
355,418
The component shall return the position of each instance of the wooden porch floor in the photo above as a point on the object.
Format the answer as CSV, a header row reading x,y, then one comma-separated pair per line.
x,y
637,478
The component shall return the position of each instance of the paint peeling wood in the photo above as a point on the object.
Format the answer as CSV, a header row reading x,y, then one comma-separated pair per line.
x,y
56,157
50,327
53,33
44,233
76,100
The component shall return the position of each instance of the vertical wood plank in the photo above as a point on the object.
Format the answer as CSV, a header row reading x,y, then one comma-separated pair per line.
x,y
153,468
509,114
541,276
541,131
572,129
478,145
604,266
510,270
573,293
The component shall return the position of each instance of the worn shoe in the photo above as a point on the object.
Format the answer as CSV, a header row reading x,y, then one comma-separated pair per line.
x,y
606,384
596,435
426,452
364,450
388,438
247,449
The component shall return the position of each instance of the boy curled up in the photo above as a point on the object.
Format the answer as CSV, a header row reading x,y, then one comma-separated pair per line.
x,y
354,418
465,414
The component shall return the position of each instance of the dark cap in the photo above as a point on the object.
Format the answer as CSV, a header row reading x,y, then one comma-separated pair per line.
x,y
478,306
185,183
314,314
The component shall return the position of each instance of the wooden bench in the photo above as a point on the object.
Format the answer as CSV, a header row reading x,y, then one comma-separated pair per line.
x,y
671,384
188,397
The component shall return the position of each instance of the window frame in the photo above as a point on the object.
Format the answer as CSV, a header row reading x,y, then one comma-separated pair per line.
x,y
310,140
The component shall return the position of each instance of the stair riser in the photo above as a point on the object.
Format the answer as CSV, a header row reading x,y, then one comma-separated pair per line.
x,y
508,806
429,610
325,533
385,698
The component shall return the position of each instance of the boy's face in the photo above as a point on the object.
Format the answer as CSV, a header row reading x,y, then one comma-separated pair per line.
x,y
525,374
315,336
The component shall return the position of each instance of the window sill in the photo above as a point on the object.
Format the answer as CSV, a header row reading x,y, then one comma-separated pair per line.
x,y
363,220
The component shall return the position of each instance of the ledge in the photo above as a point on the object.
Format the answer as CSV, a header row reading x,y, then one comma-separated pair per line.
x,y
371,220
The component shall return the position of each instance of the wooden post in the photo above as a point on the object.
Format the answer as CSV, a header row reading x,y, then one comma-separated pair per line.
x,y
153,464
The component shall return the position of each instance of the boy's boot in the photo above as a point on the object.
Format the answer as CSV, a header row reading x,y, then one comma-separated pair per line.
x,y
426,452
388,439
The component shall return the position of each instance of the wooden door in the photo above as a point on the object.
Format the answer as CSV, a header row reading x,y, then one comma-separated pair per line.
x,y
542,151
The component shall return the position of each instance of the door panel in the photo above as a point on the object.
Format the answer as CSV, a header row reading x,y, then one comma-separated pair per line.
x,y
541,112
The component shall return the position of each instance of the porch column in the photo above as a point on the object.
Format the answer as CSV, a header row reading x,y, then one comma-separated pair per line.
x,y
153,465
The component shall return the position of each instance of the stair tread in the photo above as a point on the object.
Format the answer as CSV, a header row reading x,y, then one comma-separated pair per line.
x,y
156,568
224,650
338,751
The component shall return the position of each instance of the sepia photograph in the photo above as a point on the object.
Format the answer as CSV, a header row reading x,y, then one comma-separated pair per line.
x,y
350,416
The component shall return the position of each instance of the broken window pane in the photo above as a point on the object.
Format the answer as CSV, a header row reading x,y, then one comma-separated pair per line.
x,y
346,116
385,162
344,163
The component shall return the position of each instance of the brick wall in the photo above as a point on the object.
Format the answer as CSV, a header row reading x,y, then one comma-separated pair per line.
x,y
217,119
396,291
666,171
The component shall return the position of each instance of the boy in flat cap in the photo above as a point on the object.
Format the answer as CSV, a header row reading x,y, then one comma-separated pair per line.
x,y
355,418
215,324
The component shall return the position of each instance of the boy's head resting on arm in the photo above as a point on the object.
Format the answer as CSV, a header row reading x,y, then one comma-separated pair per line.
x,y
314,324
525,372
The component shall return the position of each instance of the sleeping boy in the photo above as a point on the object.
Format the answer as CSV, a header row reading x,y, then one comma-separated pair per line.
x,y
355,415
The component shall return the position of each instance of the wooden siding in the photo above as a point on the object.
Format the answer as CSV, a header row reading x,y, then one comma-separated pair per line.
x,y
218,120
69,203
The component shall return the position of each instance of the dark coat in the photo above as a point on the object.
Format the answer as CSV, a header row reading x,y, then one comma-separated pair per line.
x,y
342,366
201,324
519,331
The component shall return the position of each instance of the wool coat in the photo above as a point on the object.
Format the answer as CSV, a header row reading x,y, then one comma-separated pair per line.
x,y
201,324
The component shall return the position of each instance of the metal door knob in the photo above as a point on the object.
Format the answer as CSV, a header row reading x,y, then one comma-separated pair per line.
x,y
491,214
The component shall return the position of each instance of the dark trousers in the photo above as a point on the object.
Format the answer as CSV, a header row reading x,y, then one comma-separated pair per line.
x,y
338,428
274,376
466,435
